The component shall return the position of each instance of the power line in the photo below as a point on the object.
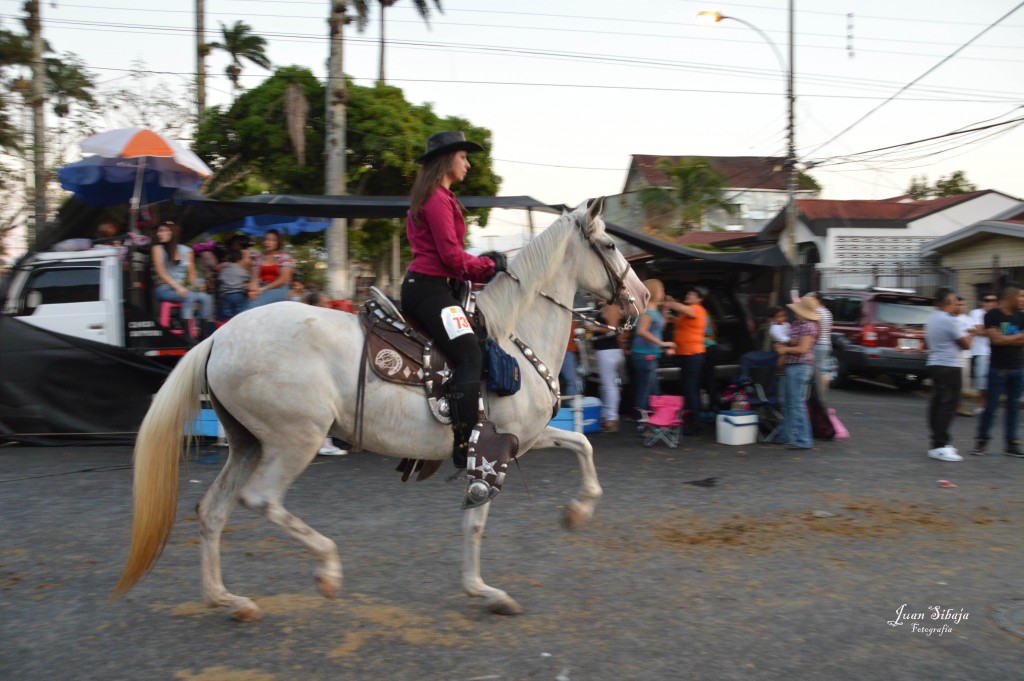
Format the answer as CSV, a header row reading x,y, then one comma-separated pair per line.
x,y
457,47
923,75
305,37
955,133
647,35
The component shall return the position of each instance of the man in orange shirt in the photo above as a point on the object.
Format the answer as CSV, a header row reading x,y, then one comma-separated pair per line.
x,y
689,334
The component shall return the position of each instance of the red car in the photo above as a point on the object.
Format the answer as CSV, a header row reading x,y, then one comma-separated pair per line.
x,y
877,331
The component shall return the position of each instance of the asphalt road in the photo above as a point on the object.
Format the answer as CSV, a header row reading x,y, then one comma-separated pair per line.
x,y
788,568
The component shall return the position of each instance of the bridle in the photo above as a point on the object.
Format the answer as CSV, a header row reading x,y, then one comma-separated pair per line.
x,y
617,281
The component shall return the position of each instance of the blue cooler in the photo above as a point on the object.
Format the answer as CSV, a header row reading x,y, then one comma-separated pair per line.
x,y
591,416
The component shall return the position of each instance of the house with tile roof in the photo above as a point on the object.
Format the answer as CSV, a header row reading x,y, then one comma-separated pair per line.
x,y
985,255
754,185
854,240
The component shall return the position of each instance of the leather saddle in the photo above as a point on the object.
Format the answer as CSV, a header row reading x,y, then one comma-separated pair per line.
x,y
399,351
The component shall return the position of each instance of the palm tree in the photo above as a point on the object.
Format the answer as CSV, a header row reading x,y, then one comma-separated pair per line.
x,y
694,190
241,43
422,6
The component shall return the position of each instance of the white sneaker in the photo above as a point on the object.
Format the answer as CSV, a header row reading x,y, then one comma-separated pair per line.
x,y
946,453
330,450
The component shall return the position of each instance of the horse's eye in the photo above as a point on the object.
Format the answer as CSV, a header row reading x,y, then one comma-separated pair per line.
x,y
610,245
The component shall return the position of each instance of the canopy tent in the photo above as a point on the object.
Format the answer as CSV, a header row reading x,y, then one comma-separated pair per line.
x,y
763,256
204,214
200,214
210,215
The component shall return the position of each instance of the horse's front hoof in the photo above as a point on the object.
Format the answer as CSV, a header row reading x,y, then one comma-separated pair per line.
x,y
249,612
506,607
327,584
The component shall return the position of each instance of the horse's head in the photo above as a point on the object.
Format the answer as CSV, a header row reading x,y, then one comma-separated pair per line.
x,y
604,271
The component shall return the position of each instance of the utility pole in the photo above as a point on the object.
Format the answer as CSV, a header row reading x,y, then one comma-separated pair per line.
x,y
200,61
35,29
337,233
791,155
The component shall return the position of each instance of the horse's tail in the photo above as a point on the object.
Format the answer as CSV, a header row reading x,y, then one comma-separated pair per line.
x,y
157,451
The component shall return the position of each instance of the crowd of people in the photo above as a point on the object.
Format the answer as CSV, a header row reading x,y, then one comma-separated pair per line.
x,y
800,348
985,346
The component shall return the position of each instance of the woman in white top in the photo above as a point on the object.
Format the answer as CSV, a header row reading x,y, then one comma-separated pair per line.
x,y
175,267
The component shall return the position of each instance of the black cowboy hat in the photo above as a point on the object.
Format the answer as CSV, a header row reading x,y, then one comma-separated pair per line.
x,y
447,141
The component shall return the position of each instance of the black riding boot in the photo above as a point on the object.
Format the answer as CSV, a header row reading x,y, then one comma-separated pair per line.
x,y
464,403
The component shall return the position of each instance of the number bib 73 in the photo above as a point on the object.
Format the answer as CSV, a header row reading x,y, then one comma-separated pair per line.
x,y
455,322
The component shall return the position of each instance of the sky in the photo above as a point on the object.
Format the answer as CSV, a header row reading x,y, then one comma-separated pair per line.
x,y
572,88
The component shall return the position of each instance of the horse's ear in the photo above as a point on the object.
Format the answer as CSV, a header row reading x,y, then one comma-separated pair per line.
x,y
595,209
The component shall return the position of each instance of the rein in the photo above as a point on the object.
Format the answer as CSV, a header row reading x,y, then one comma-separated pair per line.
x,y
617,281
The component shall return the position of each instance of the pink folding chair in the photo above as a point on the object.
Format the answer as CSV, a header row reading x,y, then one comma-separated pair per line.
x,y
663,421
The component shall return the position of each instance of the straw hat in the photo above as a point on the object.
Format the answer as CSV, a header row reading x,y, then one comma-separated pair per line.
x,y
806,308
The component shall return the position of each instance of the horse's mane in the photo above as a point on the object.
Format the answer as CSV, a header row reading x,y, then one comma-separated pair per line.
x,y
503,298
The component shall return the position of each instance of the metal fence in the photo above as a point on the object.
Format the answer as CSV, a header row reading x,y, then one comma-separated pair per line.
x,y
924,280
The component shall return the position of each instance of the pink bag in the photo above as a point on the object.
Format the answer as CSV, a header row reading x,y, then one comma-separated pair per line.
x,y
841,431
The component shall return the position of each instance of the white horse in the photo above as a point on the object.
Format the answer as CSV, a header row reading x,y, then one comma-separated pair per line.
x,y
275,411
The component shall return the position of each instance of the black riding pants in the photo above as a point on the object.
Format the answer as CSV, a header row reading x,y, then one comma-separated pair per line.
x,y
429,300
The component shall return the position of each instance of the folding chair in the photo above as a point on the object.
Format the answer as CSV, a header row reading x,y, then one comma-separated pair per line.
x,y
663,421
759,377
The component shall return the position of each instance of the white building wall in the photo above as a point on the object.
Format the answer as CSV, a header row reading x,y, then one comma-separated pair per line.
x,y
757,208
859,246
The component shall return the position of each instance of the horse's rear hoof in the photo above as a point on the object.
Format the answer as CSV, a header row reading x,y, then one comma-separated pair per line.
x,y
574,517
250,612
508,607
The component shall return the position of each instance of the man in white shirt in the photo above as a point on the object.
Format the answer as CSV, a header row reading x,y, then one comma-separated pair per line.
x,y
970,328
946,339
981,348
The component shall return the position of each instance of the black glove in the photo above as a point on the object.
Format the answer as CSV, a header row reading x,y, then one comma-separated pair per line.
x,y
500,261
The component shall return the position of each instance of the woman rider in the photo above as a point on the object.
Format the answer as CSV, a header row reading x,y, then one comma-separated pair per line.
x,y
437,231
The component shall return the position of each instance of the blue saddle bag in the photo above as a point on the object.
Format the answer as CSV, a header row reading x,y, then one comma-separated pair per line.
x,y
503,376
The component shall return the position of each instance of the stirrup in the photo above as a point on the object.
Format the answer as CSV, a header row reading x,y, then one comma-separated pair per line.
x,y
487,463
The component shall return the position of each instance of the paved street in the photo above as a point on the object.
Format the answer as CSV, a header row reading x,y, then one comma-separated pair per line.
x,y
788,568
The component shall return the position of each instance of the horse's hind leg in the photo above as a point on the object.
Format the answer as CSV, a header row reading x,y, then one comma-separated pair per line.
x,y
582,508
497,601
279,466
213,512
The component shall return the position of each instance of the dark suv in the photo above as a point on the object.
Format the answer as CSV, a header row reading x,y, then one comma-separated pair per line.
x,y
877,331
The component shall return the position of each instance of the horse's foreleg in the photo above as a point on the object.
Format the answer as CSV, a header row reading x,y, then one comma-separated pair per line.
x,y
582,508
497,601
213,512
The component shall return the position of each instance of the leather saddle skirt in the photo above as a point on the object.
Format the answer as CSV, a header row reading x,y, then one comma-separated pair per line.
x,y
399,351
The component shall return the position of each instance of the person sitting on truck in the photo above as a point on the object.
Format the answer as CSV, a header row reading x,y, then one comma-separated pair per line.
x,y
233,279
175,269
271,272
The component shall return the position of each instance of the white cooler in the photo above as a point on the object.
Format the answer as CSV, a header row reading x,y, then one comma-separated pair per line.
x,y
736,427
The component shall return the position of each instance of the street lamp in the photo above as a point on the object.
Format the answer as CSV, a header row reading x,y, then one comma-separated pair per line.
x,y
787,68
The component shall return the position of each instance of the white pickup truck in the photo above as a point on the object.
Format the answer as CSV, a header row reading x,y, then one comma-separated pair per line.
x,y
101,294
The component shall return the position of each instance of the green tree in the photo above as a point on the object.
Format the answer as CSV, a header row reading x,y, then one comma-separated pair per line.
x,y
956,183
919,188
241,43
694,190
249,147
